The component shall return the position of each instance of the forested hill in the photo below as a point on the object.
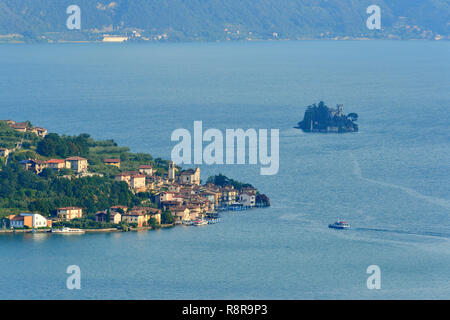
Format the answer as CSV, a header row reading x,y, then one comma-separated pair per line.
x,y
188,20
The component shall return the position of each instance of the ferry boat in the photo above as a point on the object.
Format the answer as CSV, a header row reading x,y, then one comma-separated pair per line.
x,y
199,223
339,225
66,230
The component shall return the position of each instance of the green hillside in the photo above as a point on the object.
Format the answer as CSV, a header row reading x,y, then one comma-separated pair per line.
x,y
187,20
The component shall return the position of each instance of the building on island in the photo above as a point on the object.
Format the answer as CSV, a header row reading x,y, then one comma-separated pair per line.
x,y
146,169
20,126
112,162
40,132
138,182
56,164
180,213
77,164
190,176
101,216
115,217
30,220
33,165
25,127
69,213
247,199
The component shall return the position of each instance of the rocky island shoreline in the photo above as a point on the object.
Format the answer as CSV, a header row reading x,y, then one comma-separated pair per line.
x,y
321,118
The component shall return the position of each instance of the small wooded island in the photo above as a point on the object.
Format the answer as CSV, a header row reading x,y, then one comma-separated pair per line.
x,y
321,118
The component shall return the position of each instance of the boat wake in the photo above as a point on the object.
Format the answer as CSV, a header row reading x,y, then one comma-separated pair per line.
x,y
424,233
434,200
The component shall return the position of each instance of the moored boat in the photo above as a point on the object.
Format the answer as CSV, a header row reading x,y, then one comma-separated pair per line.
x,y
187,222
66,230
198,223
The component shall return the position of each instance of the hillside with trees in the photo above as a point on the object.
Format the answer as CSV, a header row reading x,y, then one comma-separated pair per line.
x,y
198,20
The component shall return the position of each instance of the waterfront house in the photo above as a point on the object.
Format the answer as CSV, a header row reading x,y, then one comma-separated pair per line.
x,y
112,162
77,164
148,213
30,220
101,216
228,196
180,213
135,216
211,196
4,152
69,213
146,169
115,217
247,199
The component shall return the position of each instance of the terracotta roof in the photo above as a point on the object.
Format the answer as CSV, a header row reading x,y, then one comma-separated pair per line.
x,y
19,125
145,167
56,161
69,208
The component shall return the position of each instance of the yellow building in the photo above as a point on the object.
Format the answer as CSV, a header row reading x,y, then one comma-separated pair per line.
x,y
77,164
69,213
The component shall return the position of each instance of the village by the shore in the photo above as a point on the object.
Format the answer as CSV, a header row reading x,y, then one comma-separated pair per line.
x,y
177,192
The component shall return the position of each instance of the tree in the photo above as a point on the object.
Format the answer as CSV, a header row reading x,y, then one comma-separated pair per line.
x,y
353,116
167,217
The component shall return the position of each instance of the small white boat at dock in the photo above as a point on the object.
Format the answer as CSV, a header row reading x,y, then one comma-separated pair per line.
x,y
66,230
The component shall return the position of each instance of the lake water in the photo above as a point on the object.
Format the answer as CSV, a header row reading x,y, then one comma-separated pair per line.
x,y
391,180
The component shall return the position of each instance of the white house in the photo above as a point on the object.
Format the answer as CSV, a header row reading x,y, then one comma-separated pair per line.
x,y
247,199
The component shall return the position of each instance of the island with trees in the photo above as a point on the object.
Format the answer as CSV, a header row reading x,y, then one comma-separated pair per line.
x,y
321,118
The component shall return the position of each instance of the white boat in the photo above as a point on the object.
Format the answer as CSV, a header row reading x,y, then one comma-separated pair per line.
x,y
66,230
339,225
187,222
198,223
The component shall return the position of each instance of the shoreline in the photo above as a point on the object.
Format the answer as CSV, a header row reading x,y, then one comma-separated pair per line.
x,y
107,230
